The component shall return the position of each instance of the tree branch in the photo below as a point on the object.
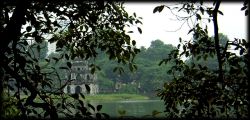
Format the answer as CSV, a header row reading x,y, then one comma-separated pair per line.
x,y
34,92
216,38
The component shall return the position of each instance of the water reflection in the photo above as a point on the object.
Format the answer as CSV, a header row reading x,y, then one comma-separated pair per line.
x,y
135,108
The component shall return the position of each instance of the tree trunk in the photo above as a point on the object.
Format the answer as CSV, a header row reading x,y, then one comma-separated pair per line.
x,y
216,38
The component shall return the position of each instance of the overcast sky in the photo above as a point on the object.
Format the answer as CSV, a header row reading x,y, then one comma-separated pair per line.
x,y
157,25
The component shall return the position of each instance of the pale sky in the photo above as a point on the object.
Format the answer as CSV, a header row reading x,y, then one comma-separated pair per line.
x,y
156,25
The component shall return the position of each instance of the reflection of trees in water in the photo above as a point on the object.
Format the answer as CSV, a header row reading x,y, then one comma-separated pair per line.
x,y
135,108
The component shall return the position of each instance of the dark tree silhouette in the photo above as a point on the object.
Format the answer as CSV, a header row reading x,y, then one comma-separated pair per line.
x,y
79,27
197,91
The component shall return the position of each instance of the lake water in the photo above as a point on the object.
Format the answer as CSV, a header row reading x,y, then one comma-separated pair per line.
x,y
135,108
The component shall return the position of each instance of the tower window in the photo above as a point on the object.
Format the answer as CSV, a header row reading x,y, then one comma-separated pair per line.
x,y
88,78
73,76
78,89
68,89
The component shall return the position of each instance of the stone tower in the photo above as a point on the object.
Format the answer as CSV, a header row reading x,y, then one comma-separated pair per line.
x,y
80,75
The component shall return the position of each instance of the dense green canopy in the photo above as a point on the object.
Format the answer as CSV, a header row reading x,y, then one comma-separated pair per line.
x,y
78,27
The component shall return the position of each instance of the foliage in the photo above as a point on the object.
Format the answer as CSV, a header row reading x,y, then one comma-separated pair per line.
x,y
9,105
76,26
82,109
38,50
196,90
148,76
210,60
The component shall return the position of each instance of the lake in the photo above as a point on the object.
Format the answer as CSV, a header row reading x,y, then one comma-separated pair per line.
x,y
134,108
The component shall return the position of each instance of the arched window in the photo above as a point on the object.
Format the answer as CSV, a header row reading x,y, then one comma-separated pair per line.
x,y
73,76
88,78
78,77
68,89
78,89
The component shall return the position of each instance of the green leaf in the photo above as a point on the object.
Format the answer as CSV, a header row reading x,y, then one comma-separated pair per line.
x,y
184,48
139,29
180,40
202,10
87,87
83,97
52,40
158,9
190,31
91,106
220,12
209,20
160,62
198,16
47,60
134,14
161,8
243,8
56,59
155,9
81,103
178,46
92,71
99,107
69,64
133,42
138,21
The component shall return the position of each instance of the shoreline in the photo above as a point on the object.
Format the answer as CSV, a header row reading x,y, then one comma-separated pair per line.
x,y
116,97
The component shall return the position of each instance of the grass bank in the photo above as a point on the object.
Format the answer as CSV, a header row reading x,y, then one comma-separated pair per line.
x,y
112,97
116,97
